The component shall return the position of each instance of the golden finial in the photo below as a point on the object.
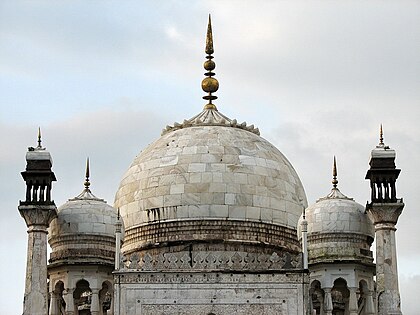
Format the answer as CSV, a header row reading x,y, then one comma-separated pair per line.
x,y
209,84
335,181
381,136
87,182
39,138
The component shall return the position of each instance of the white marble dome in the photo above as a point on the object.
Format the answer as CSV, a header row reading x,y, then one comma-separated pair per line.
x,y
337,213
84,229
210,167
338,229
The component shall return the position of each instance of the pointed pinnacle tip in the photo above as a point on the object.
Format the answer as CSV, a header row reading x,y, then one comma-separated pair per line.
x,y
39,137
335,181
381,136
87,168
209,39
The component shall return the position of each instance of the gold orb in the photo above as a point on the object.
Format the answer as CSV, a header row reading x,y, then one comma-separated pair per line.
x,y
209,65
210,85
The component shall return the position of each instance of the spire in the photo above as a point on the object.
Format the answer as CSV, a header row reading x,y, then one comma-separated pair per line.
x,y
335,181
39,139
381,136
209,84
87,182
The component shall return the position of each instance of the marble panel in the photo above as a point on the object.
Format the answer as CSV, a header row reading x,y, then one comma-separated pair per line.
x,y
238,212
196,167
253,213
219,211
177,189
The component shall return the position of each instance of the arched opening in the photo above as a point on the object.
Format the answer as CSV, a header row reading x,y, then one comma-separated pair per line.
x,y
82,298
105,297
317,297
340,297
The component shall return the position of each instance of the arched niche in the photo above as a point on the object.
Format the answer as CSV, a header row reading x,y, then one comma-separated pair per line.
x,y
340,297
317,297
106,295
82,297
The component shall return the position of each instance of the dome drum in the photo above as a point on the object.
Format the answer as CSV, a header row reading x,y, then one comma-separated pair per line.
x,y
171,233
81,248
324,248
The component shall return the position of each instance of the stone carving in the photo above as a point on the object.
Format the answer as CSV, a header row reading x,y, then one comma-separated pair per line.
x,y
213,260
210,117
385,212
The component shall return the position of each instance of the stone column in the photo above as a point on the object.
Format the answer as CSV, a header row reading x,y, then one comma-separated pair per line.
x,y
68,298
328,304
111,308
353,307
369,306
385,216
116,296
54,310
95,308
37,218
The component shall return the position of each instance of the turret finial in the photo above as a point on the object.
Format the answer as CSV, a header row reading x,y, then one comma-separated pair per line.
x,y
87,182
381,136
209,84
118,213
209,39
335,181
39,138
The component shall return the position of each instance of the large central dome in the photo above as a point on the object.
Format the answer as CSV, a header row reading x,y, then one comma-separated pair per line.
x,y
210,181
208,168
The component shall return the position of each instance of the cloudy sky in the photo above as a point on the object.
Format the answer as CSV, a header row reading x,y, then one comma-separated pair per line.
x,y
102,78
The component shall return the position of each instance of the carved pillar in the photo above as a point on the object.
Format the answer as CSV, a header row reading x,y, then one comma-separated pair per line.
x,y
370,307
68,298
328,304
353,307
385,216
37,219
94,306
53,304
116,297
111,308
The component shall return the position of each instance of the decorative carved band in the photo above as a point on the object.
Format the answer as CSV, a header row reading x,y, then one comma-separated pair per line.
x,y
385,212
86,239
85,254
292,279
154,234
316,238
213,260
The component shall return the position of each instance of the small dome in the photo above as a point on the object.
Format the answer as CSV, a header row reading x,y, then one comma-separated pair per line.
x,y
338,229
84,229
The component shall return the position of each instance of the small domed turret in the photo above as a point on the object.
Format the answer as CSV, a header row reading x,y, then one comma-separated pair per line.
x,y
84,230
338,228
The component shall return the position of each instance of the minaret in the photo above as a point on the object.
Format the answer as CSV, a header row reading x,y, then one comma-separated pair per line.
x,y
38,210
384,210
